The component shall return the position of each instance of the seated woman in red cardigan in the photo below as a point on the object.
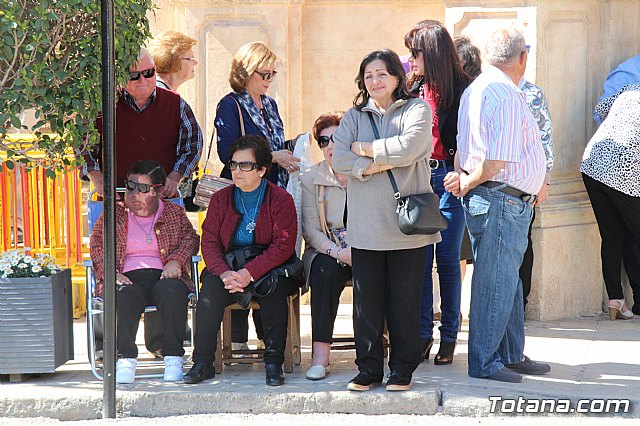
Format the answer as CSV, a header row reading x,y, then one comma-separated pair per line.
x,y
255,217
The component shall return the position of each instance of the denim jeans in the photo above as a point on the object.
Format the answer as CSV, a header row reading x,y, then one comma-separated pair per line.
x,y
447,256
498,225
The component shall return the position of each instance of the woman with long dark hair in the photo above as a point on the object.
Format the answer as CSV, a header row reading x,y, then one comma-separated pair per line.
x,y
440,81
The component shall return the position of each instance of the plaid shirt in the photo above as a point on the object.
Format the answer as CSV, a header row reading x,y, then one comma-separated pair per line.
x,y
177,240
189,146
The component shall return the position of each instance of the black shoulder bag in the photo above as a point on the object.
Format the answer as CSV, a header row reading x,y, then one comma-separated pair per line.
x,y
266,284
417,213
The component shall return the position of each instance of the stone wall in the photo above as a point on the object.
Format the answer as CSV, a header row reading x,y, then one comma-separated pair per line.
x,y
575,43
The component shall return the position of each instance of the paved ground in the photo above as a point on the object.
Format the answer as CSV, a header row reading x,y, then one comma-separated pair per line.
x,y
591,358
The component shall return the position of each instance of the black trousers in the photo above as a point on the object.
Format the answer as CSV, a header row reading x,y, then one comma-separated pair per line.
x,y
240,325
168,295
214,298
327,279
527,263
618,217
387,285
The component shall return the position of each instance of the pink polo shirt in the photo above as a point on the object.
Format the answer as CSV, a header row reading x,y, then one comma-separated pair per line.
x,y
139,253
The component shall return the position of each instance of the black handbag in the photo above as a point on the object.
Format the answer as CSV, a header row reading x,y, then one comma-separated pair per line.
x,y
417,213
265,285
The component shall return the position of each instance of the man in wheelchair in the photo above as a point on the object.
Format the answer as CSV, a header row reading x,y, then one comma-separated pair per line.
x,y
154,245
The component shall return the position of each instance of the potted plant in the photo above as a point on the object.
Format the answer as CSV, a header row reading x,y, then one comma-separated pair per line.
x,y
36,314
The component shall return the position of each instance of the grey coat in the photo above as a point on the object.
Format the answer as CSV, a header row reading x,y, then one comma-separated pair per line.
x,y
405,143
335,197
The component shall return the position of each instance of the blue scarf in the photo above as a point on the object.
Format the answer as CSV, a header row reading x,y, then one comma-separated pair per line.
x,y
275,137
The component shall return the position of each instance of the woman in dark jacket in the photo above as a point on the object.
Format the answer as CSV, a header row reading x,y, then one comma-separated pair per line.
x,y
440,81
252,212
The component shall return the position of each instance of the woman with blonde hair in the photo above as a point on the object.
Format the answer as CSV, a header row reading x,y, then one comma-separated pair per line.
x,y
174,57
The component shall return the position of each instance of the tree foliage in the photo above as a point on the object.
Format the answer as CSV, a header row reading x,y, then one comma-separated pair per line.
x,y
50,62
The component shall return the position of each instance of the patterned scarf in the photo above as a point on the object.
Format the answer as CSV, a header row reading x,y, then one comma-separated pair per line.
x,y
274,132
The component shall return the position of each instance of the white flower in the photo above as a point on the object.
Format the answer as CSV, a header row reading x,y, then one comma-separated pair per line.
x,y
27,259
36,268
22,265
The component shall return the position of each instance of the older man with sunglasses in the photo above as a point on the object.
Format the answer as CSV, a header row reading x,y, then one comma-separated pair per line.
x,y
151,123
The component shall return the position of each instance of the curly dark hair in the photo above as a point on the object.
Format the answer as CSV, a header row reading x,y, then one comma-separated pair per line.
x,y
258,145
150,168
394,67
470,56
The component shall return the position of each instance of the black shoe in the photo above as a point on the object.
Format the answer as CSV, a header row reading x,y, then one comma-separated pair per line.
x,y
274,374
445,353
427,344
529,367
199,372
505,375
399,382
364,381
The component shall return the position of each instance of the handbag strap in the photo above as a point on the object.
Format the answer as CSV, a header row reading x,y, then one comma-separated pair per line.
x,y
240,114
376,134
323,216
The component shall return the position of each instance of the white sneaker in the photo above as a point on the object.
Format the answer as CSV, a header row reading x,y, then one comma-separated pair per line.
x,y
126,370
173,368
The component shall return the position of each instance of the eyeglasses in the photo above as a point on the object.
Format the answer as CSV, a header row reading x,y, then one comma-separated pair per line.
x,y
142,187
323,141
414,52
267,75
245,166
527,48
135,75
193,58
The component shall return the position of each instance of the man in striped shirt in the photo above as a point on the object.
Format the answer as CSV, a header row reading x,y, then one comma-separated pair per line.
x,y
500,167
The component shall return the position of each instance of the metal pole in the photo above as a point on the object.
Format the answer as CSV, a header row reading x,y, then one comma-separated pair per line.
x,y
108,169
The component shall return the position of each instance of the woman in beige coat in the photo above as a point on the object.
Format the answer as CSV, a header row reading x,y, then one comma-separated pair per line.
x,y
388,266
327,257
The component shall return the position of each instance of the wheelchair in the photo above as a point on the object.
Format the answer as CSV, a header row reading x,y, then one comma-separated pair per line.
x,y
95,304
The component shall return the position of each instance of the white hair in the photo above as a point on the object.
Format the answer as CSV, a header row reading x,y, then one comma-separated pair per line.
x,y
504,46
144,52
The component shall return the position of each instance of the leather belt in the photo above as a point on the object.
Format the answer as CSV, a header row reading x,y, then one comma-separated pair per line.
x,y
436,164
514,192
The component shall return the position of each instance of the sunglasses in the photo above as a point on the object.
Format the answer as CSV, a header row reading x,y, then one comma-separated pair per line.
x,y
267,75
323,141
414,52
527,48
193,58
245,166
135,75
142,187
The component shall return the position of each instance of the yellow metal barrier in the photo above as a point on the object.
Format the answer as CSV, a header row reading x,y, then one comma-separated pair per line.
x,y
44,214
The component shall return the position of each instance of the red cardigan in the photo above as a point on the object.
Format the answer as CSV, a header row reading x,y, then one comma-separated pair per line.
x,y
276,227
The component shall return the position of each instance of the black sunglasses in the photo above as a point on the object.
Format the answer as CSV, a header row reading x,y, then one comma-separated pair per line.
x,y
245,166
414,52
135,75
323,141
267,75
142,187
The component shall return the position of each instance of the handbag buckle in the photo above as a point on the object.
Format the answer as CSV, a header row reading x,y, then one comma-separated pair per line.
x,y
397,196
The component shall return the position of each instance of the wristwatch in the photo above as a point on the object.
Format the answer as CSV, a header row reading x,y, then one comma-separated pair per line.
x,y
360,150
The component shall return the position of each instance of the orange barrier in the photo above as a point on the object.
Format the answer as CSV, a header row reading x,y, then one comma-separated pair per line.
x,y
44,214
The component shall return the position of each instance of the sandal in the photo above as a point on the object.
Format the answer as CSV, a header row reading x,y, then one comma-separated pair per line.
x,y
618,310
445,353
427,344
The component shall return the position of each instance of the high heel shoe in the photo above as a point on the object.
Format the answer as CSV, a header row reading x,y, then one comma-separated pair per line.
x,y
619,310
445,353
427,344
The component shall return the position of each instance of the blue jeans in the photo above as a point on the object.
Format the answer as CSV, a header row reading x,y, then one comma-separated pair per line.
x,y
498,225
447,254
